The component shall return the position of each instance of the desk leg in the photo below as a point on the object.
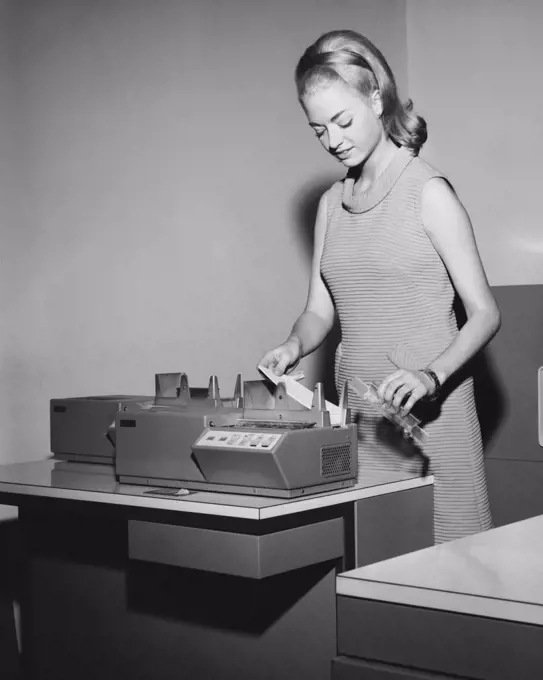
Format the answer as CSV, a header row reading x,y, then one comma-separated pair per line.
x,y
9,593
9,654
393,524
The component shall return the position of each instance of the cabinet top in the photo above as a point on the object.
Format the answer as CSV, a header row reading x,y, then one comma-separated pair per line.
x,y
495,574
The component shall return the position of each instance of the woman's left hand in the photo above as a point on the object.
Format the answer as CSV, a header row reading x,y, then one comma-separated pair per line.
x,y
408,386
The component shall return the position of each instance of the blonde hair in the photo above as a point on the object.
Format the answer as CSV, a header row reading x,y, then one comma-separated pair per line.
x,y
350,58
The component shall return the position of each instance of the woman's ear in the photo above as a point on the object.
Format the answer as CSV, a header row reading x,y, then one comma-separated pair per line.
x,y
377,103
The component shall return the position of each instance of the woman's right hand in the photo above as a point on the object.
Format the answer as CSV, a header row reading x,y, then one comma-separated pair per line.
x,y
283,358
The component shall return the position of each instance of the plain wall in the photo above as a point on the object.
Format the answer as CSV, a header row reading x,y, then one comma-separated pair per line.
x,y
167,189
475,74
8,205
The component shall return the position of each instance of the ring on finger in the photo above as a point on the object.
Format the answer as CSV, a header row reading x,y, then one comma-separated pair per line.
x,y
401,394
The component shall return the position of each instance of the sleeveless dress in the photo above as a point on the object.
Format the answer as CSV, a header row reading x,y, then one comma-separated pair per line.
x,y
394,301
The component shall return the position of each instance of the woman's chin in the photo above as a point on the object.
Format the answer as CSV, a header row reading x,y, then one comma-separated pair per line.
x,y
350,161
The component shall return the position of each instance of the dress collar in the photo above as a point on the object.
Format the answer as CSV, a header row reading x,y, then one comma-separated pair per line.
x,y
362,201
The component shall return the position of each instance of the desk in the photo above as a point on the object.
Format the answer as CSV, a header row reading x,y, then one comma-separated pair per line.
x,y
471,608
120,583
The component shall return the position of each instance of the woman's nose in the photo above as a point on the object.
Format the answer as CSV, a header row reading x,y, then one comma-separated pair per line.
x,y
335,137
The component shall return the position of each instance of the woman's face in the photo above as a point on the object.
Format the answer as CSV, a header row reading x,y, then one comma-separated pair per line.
x,y
344,121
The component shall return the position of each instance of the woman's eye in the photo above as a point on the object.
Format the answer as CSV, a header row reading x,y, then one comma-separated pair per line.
x,y
346,124
319,133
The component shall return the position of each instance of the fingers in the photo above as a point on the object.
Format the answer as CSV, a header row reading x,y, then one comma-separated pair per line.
x,y
277,360
402,386
269,360
400,395
389,386
414,397
282,364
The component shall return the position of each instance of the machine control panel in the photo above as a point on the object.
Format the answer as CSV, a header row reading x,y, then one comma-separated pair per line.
x,y
239,440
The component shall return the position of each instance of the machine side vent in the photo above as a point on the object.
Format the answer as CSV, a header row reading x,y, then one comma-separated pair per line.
x,y
335,459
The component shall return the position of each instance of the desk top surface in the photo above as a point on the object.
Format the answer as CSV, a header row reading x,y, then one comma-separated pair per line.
x,y
96,483
497,574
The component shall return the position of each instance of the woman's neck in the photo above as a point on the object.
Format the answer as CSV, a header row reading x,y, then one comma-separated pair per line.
x,y
375,164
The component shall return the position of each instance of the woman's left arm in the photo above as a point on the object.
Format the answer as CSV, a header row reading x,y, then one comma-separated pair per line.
x,y
449,228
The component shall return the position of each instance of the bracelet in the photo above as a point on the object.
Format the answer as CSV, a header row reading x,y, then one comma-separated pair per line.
x,y
437,385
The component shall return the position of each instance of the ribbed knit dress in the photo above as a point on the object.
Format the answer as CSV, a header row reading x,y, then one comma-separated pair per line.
x,y
394,300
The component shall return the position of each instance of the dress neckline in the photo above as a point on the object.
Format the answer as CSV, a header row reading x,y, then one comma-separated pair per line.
x,y
362,201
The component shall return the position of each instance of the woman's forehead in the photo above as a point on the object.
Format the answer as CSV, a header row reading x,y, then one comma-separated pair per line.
x,y
327,97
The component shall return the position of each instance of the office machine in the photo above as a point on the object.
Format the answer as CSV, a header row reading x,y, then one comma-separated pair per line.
x,y
280,451
154,440
83,428
80,427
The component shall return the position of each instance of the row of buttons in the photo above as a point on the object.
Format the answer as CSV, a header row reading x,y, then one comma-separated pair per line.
x,y
240,440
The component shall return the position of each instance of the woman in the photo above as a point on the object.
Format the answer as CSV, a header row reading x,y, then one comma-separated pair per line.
x,y
392,245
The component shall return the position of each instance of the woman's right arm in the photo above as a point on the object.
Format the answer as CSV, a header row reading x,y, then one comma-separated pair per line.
x,y
317,319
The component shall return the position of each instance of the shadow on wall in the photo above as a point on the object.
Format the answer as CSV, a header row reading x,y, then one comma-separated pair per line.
x,y
307,203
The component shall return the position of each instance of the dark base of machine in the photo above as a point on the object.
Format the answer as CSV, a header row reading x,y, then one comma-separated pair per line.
x,y
240,489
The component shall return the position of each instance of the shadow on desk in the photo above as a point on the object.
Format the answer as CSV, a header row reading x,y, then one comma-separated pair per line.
x,y
218,601
94,613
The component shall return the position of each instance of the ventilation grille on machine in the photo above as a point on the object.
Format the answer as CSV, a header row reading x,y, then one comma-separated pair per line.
x,y
335,459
